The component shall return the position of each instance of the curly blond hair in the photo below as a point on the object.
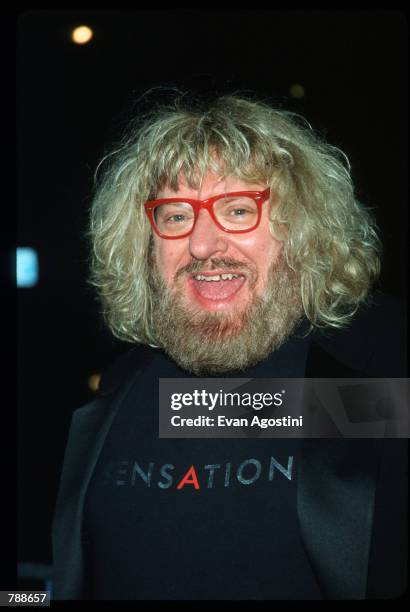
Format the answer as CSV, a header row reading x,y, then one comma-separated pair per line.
x,y
329,238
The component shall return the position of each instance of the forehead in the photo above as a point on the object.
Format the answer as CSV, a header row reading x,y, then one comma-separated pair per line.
x,y
211,184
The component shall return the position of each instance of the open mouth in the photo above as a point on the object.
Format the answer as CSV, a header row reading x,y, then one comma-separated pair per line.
x,y
216,287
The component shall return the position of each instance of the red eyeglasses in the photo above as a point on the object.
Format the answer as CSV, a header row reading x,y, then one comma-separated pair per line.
x,y
236,213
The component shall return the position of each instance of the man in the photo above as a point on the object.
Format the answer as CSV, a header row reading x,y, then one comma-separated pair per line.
x,y
227,241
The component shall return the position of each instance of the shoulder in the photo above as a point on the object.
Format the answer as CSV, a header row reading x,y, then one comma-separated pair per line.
x,y
125,368
374,344
115,380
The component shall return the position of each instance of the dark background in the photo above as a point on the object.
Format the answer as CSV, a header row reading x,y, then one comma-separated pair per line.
x,y
73,102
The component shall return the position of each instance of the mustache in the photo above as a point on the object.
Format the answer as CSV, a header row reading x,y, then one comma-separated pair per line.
x,y
215,263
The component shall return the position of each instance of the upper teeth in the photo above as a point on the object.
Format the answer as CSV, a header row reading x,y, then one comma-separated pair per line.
x,y
217,277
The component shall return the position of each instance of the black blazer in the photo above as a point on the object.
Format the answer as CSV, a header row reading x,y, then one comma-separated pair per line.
x,y
352,524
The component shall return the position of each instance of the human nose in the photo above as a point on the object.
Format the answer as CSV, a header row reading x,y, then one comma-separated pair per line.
x,y
206,238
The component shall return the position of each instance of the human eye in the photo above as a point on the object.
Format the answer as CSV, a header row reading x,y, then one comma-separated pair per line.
x,y
176,218
238,207
238,212
174,214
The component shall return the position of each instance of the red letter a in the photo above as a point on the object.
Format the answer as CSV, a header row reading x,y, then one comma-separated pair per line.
x,y
189,478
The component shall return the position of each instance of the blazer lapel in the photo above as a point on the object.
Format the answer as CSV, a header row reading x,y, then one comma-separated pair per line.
x,y
89,427
336,494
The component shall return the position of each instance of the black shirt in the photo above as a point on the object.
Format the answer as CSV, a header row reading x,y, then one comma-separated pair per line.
x,y
195,518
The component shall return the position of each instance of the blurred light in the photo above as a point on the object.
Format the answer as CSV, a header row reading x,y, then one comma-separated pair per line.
x,y
82,35
26,267
94,382
297,91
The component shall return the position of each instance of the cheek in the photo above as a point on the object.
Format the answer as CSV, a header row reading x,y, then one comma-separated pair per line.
x,y
266,253
167,256
273,247
263,250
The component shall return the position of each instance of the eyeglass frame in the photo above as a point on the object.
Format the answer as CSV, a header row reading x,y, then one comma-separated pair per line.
x,y
259,197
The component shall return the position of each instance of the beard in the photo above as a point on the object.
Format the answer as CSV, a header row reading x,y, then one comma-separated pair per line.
x,y
212,343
